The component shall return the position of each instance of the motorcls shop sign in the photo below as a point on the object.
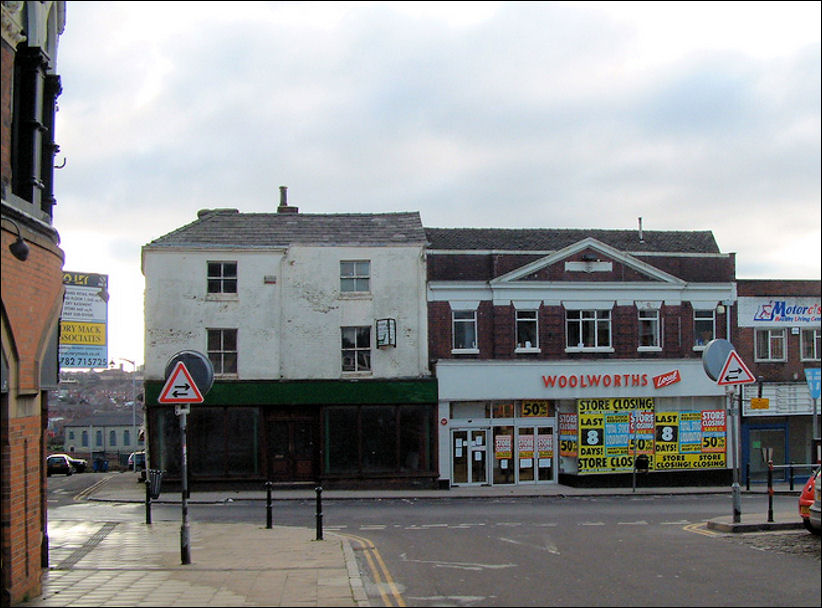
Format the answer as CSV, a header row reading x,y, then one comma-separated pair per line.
x,y
610,380
755,312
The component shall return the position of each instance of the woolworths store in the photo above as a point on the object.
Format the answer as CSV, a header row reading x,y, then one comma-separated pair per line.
x,y
582,423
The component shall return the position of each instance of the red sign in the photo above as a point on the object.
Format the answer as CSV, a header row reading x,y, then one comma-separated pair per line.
x,y
667,379
180,387
735,371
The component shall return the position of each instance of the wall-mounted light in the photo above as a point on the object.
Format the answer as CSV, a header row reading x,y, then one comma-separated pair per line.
x,y
19,248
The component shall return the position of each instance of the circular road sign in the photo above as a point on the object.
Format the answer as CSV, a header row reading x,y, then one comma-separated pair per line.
x,y
714,357
198,365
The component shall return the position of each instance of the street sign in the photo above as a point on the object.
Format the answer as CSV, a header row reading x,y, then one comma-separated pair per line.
x,y
198,365
812,377
735,371
715,356
180,387
760,403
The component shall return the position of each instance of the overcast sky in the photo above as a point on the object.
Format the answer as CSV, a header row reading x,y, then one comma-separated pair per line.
x,y
692,116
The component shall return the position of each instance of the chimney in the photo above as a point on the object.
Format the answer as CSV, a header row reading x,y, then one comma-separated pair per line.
x,y
284,208
641,238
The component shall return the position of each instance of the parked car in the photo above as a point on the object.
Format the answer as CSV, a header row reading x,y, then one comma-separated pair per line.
x,y
815,510
806,499
137,462
58,464
79,464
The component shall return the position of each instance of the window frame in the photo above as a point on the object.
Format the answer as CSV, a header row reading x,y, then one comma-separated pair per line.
x,y
698,321
815,343
521,318
775,336
356,275
600,318
472,322
220,356
221,279
356,349
652,317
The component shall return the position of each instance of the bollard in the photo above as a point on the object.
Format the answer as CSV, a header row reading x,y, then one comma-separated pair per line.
x,y
268,516
148,502
770,490
748,476
790,472
319,514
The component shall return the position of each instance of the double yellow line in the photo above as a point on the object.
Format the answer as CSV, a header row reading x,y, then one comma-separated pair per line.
x,y
379,571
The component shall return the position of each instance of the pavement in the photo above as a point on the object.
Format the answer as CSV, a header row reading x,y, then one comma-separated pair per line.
x,y
132,563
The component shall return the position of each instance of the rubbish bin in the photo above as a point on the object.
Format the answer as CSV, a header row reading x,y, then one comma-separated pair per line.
x,y
642,463
155,480
104,466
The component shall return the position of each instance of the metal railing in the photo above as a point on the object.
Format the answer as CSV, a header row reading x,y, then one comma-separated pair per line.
x,y
790,467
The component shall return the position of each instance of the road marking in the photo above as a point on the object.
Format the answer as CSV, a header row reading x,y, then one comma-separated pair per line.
x,y
458,565
549,547
632,523
379,572
700,529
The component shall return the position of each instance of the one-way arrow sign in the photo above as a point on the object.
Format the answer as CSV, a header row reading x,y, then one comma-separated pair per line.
x,y
180,388
735,371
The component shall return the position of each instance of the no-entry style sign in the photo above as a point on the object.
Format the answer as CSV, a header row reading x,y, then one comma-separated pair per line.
x,y
180,387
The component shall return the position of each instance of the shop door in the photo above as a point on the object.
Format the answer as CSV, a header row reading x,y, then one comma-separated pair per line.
x,y
535,454
774,437
291,450
469,456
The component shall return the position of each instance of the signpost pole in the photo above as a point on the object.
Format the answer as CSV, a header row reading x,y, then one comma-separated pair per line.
x,y
735,422
185,547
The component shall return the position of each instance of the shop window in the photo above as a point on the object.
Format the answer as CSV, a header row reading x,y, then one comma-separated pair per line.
x,y
704,324
464,324
527,334
222,277
649,330
355,276
342,439
379,438
356,349
223,442
588,330
809,344
769,345
222,350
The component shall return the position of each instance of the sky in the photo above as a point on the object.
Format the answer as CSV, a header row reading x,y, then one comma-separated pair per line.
x,y
691,116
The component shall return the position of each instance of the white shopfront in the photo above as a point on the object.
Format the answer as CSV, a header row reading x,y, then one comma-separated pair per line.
x,y
523,422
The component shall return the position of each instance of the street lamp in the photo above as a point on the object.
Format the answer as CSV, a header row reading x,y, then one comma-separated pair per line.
x,y
133,406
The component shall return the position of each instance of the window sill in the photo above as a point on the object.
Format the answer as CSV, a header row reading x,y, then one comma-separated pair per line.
x,y
649,349
222,297
355,295
465,351
349,375
770,361
527,350
589,350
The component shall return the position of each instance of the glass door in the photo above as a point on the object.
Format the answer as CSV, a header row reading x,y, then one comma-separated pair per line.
x,y
535,454
469,454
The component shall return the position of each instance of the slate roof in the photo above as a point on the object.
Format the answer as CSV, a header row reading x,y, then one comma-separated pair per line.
x,y
229,228
553,239
108,419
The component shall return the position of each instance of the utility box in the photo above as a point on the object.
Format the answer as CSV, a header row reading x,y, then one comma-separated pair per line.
x,y
155,480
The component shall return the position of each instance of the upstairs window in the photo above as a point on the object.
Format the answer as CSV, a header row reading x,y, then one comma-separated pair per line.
x,y
222,277
222,350
649,330
356,349
588,329
355,276
464,330
809,344
769,345
704,327
527,334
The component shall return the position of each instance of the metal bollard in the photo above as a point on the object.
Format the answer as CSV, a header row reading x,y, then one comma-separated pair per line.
x,y
319,513
148,501
268,516
748,476
770,490
790,472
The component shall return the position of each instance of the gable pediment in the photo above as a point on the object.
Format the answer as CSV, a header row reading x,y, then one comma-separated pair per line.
x,y
585,261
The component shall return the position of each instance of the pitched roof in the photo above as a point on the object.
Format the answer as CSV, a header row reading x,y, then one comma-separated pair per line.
x,y
229,228
553,239
108,419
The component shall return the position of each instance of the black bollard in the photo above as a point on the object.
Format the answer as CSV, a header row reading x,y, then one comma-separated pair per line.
x,y
148,501
770,490
319,513
268,516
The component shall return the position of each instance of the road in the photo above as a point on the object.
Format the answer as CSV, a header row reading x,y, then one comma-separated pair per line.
x,y
595,551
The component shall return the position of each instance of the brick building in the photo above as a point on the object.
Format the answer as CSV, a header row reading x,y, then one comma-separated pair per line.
x,y
31,285
778,335
562,355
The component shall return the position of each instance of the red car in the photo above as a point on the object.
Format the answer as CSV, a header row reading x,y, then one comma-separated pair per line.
x,y
806,499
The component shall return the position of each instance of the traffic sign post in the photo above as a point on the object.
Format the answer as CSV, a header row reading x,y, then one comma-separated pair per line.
x,y
723,364
182,388
812,376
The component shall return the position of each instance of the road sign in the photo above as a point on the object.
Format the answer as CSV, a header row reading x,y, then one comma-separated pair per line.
x,y
812,377
198,365
760,403
180,387
735,371
714,357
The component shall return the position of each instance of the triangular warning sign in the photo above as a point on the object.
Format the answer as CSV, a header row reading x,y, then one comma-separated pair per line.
x,y
735,371
180,387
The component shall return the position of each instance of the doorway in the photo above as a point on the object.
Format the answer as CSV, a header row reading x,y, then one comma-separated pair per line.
x,y
755,439
469,450
535,454
291,449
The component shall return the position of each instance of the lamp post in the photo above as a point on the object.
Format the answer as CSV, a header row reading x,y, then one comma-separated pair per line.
x,y
133,406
